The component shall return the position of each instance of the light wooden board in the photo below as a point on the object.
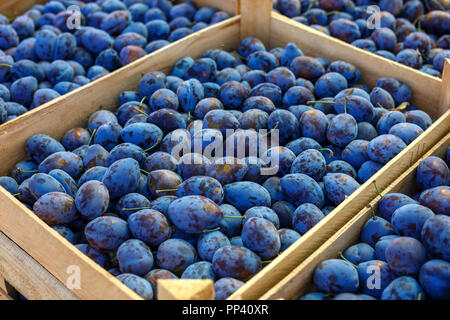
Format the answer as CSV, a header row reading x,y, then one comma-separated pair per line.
x,y
22,271
21,225
444,101
299,281
13,8
185,289
426,89
256,19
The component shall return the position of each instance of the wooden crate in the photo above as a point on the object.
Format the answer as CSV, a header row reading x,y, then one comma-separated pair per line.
x,y
36,263
53,255
429,92
299,281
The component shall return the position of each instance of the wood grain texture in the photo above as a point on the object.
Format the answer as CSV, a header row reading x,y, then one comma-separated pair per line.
x,y
444,101
256,19
426,89
26,275
299,281
14,8
185,289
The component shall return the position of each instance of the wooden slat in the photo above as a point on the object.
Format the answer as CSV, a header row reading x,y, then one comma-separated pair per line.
x,y
299,281
21,225
185,289
444,101
28,276
73,109
14,8
426,89
256,19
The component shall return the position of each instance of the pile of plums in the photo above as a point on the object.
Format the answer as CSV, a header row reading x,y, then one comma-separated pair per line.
x,y
412,32
214,170
53,49
404,251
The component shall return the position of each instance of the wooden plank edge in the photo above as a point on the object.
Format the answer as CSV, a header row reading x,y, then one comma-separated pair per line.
x,y
314,238
426,89
185,289
14,8
300,279
256,19
27,276
444,101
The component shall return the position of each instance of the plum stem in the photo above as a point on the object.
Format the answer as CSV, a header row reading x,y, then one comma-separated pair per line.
x,y
401,107
376,188
319,101
145,171
273,129
92,136
6,65
156,143
141,111
327,149
440,5
27,171
234,217
166,190
345,259
424,57
211,230
131,209
419,22
16,194
346,99
374,216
